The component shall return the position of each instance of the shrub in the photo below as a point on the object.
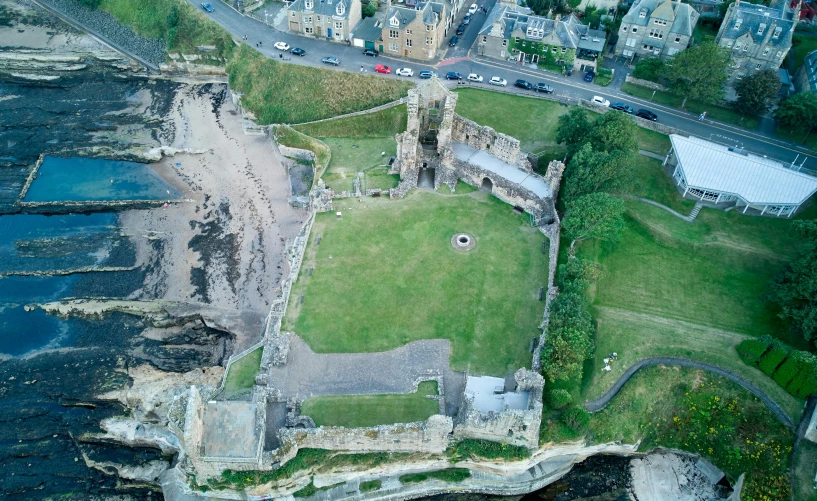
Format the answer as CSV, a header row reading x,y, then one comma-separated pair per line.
x,y
371,485
576,418
772,359
470,447
786,372
751,350
559,398
449,475
649,69
804,382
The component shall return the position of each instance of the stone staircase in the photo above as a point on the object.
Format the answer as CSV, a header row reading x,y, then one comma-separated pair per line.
x,y
695,211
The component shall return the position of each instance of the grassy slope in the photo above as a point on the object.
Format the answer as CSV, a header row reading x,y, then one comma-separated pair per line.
x,y
372,410
393,278
384,123
287,93
652,183
243,371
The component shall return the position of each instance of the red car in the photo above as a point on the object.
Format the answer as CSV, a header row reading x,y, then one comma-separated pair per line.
x,y
382,68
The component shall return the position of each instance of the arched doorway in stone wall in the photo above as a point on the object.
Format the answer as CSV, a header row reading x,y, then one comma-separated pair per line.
x,y
487,185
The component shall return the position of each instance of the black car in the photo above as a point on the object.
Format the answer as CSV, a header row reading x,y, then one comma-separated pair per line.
x,y
523,84
370,52
649,115
453,75
543,87
331,60
622,107
460,29
454,40
297,52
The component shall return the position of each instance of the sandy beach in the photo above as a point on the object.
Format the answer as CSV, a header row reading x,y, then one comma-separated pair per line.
x,y
224,245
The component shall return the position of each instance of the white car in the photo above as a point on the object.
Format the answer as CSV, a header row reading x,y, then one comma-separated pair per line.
x,y
474,77
473,9
281,45
600,101
404,72
498,81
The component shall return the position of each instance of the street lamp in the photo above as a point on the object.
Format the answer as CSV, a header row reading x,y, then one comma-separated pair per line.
x,y
265,17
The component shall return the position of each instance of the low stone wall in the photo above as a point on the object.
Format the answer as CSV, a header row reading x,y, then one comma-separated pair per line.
x,y
644,83
641,122
430,436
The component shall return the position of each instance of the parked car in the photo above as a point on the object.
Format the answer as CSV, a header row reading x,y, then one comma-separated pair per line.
x,y
473,9
498,81
370,52
460,29
206,6
522,84
404,72
382,68
453,75
588,77
475,78
622,107
466,19
331,60
297,52
649,115
281,45
600,101
454,40
426,74
543,87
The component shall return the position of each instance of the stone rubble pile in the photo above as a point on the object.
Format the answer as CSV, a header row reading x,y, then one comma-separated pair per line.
x,y
106,25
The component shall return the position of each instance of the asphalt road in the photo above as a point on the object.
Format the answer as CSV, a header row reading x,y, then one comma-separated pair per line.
x,y
457,59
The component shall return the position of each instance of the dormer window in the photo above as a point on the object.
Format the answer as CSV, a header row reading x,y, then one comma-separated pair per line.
x,y
308,4
777,32
761,29
738,23
643,13
341,8
394,21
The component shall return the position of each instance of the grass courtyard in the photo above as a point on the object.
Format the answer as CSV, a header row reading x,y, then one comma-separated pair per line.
x,y
242,372
386,274
372,410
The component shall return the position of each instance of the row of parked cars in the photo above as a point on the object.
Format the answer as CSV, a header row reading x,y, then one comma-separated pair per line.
x,y
463,25
626,108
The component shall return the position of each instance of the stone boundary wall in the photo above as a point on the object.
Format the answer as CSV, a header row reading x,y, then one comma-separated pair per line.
x,y
641,122
482,137
553,233
430,436
644,83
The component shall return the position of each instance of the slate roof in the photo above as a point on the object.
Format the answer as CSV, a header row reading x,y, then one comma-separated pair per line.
x,y
810,67
757,180
406,15
752,16
369,29
569,30
682,16
323,7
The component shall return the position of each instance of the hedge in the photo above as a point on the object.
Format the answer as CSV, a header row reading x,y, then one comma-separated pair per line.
x,y
772,360
751,350
786,372
559,398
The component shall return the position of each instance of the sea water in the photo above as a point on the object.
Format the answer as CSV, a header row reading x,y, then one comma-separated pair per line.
x,y
96,179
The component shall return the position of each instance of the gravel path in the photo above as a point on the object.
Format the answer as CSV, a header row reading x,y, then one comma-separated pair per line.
x,y
601,402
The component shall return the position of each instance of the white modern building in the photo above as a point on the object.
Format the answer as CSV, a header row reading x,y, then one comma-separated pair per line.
x,y
717,174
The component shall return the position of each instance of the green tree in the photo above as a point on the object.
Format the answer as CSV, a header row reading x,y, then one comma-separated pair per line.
x,y
565,352
369,9
576,418
575,275
699,73
651,69
590,171
572,130
795,289
756,93
798,112
559,398
614,132
597,215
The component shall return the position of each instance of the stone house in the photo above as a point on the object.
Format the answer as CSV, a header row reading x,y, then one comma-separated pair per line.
x,y
329,19
414,33
805,80
514,32
758,37
656,28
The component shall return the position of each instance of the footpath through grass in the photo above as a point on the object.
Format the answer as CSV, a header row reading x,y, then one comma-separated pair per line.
x,y
386,274
243,371
353,411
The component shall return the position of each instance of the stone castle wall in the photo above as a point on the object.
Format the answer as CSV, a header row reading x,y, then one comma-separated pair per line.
x,y
482,137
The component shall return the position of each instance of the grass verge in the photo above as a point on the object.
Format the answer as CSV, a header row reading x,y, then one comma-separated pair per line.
x,y
473,448
243,371
654,183
384,261
354,411
449,475
371,485
352,156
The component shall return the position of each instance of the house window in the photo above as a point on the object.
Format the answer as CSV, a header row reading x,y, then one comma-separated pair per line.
x,y
307,19
564,50
630,42
338,25
293,13
779,53
394,34
745,47
318,18
308,4
504,43
777,32
553,50
677,39
516,40
429,27
739,76
624,29
308,30
738,23
761,29
657,34
341,8
635,29
393,47
766,51
429,40
394,21
408,42
659,22
484,39
643,13
408,33
757,66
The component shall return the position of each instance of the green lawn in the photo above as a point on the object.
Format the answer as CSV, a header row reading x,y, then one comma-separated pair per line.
x,y
385,123
243,371
353,155
701,413
353,411
652,141
604,76
801,45
653,182
704,32
386,274
713,112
